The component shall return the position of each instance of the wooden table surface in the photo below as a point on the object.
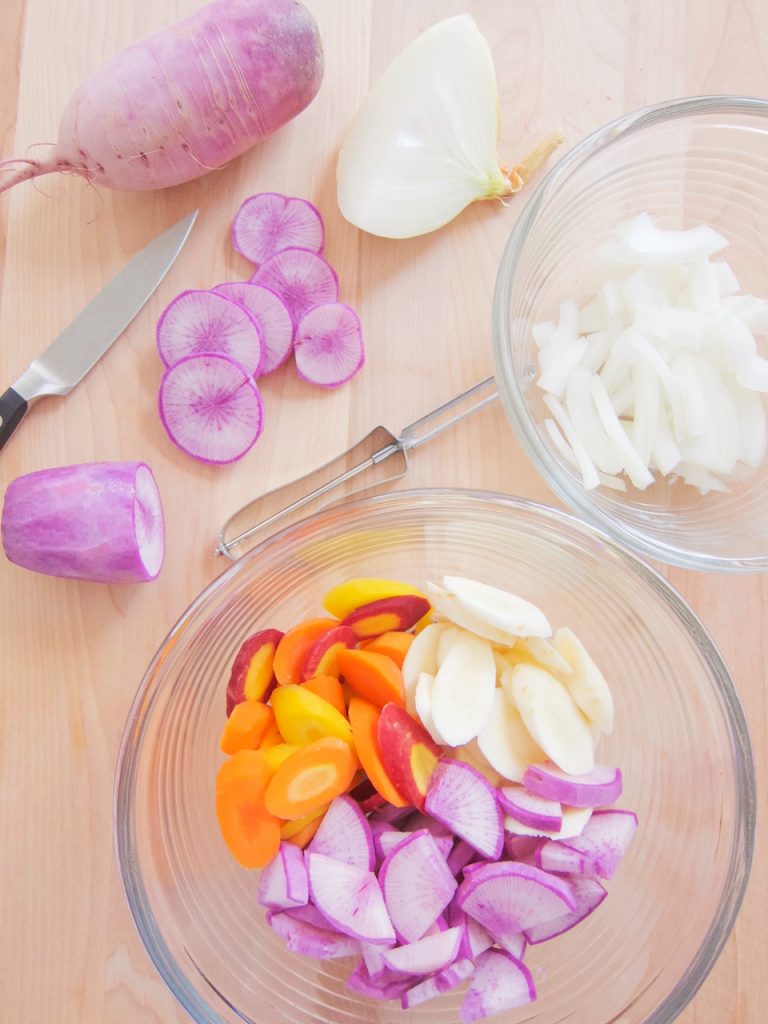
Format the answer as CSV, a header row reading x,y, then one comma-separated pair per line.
x,y
73,654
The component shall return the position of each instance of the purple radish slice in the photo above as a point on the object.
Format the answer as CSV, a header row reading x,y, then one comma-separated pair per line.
x,y
440,925
283,882
417,885
269,222
445,980
474,938
382,986
509,897
310,940
373,958
271,316
574,822
427,955
345,835
597,851
301,278
350,898
500,982
203,321
530,809
521,847
328,345
560,857
99,521
389,841
463,799
211,408
418,821
461,855
390,814
601,787
309,914
588,894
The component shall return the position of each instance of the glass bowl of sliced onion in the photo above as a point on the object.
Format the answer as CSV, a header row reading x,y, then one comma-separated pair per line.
x,y
631,331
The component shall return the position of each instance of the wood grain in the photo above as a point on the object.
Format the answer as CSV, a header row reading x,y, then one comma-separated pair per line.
x,y
73,654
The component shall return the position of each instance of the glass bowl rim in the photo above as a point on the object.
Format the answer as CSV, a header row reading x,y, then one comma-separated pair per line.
x,y
745,793
561,482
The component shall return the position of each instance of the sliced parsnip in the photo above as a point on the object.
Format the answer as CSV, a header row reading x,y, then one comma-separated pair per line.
x,y
586,683
463,690
574,820
423,704
498,608
551,717
504,741
445,642
421,657
503,662
447,605
541,651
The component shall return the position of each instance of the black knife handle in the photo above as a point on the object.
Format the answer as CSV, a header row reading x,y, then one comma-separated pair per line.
x,y
12,409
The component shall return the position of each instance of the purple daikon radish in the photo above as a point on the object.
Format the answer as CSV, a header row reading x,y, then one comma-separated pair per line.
x,y
391,814
597,851
271,316
601,787
500,983
211,408
509,897
269,222
529,809
474,938
445,980
309,914
520,847
99,521
345,835
560,857
463,799
309,939
427,955
588,894
461,855
417,885
328,346
389,841
283,882
350,898
373,958
418,821
301,278
383,986
202,321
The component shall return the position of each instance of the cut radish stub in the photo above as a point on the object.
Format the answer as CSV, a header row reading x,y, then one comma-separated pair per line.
x,y
529,809
443,981
269,222
427,955
99,521
417,885
202,321
271,316
329,345
597,851
345,835
461,798
350,898
588,894
283,882
301,278
310,939
500,983
211,408
601,787
509,897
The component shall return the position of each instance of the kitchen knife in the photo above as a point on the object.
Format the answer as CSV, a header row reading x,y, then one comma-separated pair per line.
x,y
70,356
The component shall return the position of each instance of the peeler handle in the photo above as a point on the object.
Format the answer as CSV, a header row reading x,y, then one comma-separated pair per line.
x,y
449,413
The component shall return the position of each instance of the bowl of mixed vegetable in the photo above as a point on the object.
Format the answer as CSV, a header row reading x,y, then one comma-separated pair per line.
x,y
631,331
443,755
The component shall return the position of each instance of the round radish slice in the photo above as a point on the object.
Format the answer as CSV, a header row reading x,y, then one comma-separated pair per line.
x,y
271,316
301,278
100,521
200,321
211,408
329,345
269,222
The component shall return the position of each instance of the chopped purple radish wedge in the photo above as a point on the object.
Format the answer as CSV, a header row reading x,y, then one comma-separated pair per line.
x,y
603,785
522,847
301,278
350,898
373,958
203,321
311,940
445,980
380,986
283,882
427,955
269,222
588,894
328,345
211,408
474,938
461,855
389,841
463,799
99,521
309,914
529,809
417,885
597,851
271,316
391,814
500,982
345,835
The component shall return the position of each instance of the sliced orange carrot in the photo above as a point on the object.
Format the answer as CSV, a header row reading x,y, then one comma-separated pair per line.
x,y
394,644
311,778
245,764
329,689
303,717
246,726
292,651
271,737
301,831
251,833
279,753
364,719
372,676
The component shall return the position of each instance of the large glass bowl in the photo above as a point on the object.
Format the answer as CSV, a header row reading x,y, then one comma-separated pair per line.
x,y
680,740
687,162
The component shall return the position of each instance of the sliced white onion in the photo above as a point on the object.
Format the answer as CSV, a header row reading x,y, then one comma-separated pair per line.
x,y
646,244
587,467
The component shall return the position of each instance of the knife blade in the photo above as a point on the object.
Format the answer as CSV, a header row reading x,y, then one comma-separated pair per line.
x,y
94,330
